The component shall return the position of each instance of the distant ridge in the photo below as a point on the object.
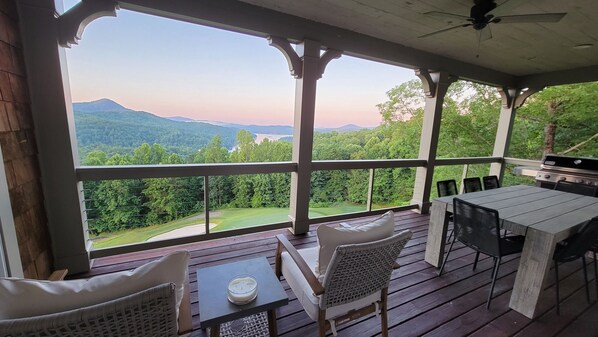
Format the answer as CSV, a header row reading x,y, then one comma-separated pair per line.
x,y
103,104
180,119
268,129
105,124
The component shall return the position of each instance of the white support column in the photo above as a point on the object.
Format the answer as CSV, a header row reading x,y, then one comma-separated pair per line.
x,y
435,88
512,99
54,129
307,66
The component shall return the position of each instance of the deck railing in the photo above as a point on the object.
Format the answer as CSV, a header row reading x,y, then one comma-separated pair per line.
x,y
99,173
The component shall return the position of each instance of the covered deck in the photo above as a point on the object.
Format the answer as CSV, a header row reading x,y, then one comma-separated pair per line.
x,y
420,302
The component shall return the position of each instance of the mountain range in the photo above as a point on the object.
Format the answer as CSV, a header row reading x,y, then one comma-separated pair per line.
x,y
105,124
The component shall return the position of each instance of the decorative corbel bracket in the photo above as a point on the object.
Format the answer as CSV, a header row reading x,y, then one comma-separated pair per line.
x,y
430,80
72,23
514,98
524,95
427,81
294,61
328,56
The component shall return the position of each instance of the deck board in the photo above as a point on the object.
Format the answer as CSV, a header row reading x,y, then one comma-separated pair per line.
x,y
420,303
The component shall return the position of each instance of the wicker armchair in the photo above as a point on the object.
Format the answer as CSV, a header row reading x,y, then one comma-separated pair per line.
x,y
150,313
355,283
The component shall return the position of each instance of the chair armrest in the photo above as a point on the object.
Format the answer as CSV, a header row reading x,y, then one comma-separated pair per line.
x,y
185,319
313,282
58,275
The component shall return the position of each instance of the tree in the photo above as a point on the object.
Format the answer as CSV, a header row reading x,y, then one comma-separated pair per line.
x,y
563,118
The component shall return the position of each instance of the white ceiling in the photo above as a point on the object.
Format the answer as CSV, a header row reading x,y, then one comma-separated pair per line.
x,y
515,49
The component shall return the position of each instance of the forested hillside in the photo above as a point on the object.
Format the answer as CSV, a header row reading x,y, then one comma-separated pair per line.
x,y
565,115
108,126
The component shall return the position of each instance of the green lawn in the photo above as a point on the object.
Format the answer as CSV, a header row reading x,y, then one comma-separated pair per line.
x,y
226,219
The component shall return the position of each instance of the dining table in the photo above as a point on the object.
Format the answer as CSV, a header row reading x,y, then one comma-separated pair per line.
x,y
543,216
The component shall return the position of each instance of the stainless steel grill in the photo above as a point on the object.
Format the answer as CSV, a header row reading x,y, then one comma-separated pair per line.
x,y
573,169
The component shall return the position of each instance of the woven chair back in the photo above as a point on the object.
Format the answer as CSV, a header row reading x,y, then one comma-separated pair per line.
x,y
577,188
150,313
477,227
446,187
359,270
578,244
490,182
472,184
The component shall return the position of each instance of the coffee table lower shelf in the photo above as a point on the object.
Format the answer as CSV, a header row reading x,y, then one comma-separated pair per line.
x,y
223,318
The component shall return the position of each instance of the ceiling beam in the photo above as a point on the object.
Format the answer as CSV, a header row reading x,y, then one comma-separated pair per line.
x,y
579,75
258,21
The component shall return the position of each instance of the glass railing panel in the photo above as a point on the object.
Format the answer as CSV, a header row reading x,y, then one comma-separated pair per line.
x,y
512,178
121,212
248,200
393,187
336,192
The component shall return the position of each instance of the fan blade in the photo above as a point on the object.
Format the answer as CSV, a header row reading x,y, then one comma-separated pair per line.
x,y
506,7
444,30
448,15
485,34
529,18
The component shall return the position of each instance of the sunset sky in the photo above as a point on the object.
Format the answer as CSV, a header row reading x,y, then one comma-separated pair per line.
x,y
173,68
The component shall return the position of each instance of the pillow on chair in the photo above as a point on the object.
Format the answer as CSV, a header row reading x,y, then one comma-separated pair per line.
x,y
26,298
329,238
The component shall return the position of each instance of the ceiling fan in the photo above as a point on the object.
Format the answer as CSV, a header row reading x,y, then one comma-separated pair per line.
x,y
485,12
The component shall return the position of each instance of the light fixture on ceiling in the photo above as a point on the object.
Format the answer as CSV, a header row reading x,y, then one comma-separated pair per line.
x,y
583,46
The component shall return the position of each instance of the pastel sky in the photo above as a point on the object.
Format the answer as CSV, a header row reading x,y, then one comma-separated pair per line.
x,y
173,68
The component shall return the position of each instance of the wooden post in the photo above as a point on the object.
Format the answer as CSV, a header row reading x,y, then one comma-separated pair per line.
x,y
54,120
435,88
307,66
512,99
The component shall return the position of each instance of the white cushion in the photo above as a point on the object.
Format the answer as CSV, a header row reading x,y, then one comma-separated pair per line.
x,y
329,238
305,294
26,298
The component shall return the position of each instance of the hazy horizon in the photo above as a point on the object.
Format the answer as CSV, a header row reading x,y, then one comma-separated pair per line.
x,y
172,68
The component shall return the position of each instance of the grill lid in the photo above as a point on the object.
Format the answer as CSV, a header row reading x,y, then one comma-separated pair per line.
x,y
554,162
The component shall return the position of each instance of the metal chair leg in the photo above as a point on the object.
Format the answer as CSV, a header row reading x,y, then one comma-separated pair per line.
x,y
585,277
494,275
556,274
447,255
475,263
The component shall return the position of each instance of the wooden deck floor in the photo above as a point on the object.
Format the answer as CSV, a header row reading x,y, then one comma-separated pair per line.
x,y
420,302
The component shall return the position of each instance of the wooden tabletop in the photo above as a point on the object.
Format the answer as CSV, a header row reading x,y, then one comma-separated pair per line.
x,y
212,285
522,207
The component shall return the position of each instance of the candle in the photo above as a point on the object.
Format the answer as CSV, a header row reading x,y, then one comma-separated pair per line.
x,y
242,289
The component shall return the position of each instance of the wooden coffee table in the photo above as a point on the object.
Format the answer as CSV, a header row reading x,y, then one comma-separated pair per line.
x,y
214,306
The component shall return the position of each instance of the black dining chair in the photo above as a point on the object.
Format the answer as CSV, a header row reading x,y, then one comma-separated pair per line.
x,y
472,184
478,227
594,249
490,182
577,188
447,188
575,248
